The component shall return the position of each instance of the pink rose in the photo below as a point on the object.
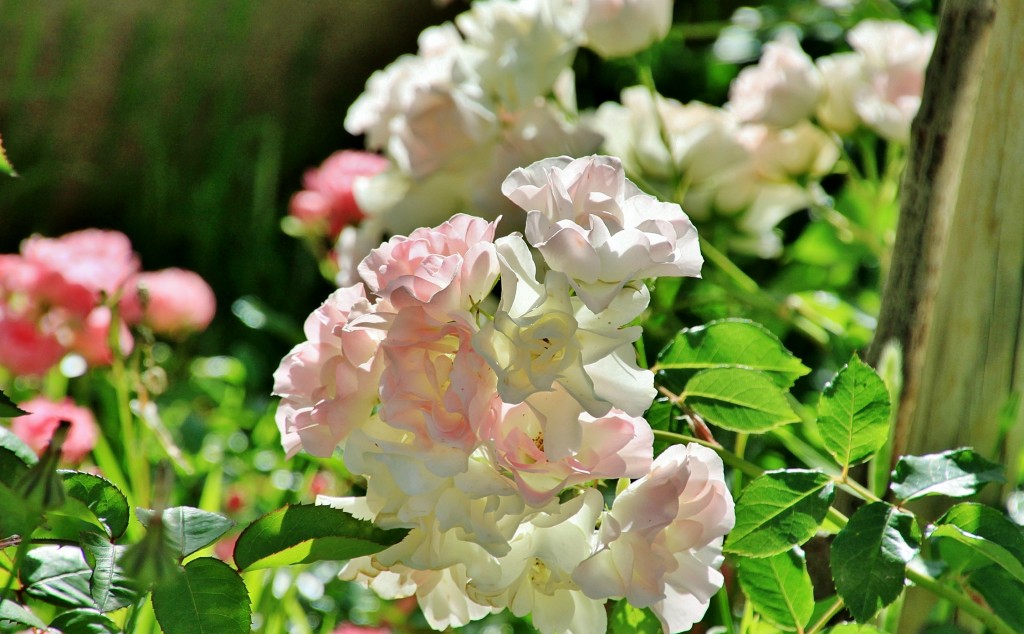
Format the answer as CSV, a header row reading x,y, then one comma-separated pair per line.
x,y
444,270
352,628
26,349
328,384
171,301
79,267
660,546
36,428
434,383
92,338
782,89
328,202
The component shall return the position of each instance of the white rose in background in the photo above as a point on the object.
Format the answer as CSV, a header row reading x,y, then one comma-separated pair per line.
x,y
842,73
895,58
592,224
660,545
616,28
702,145
517,49
782,89
880,83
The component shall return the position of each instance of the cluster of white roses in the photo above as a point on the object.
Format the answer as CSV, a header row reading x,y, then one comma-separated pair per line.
x,y
486,94
757,157
486,429
494,90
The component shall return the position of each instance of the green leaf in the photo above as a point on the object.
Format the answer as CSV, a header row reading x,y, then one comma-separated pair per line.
x,y
732,343
8,409
853,414
1003,593
84,621
662,414
58,574
11,612
208,596
981,536
304,533
738,400
955,473
8,169
869,558
627,619
12,468
101,497
109,588
9,440
17,517
779,588
188,529
779,510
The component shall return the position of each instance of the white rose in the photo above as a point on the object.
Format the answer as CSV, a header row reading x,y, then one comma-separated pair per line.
x,y
783,88
615,28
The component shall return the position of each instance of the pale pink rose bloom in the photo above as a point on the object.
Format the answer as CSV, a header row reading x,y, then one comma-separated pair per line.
x,y
25,349
92,338
615,28
84,265
782,89
328,384
434,383
170,301
444,270
549,444
601,230
660,546
44,415
895,58
327,202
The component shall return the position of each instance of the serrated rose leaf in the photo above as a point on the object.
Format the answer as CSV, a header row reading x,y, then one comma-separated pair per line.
x,y
779,510
739,400
853,414
869,558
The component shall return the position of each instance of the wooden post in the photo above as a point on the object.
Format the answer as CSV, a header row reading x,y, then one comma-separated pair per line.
x,y
954,300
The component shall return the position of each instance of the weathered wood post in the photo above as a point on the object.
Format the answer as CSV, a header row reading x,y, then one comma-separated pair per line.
x,y
955,295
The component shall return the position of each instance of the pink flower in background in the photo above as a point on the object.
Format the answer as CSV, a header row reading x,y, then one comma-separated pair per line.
x,y
79,267
328,201
92,339
171,302
25,349
37,427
